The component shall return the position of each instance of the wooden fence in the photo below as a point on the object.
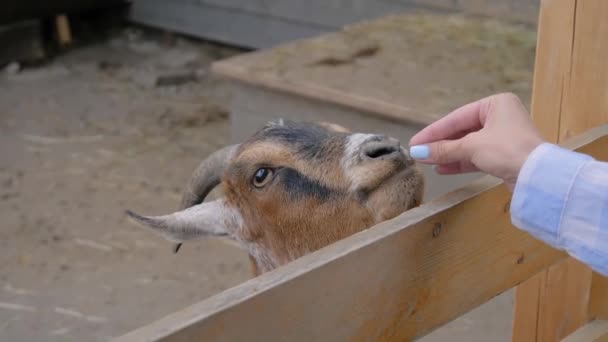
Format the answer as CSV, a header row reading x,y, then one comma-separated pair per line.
x,y
405,277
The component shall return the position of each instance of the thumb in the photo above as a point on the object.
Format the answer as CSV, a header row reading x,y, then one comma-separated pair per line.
x,y
441,152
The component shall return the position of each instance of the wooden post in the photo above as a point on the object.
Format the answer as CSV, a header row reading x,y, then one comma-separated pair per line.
x,y
598,301
64,33
396,281
569,96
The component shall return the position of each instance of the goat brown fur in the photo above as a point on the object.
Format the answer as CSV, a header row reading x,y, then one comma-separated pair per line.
x,y
321,184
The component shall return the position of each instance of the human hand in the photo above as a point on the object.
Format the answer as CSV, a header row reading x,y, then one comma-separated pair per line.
x,y
494,135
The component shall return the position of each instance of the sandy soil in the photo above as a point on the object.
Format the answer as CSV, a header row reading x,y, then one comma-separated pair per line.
x,y
88,136
81,140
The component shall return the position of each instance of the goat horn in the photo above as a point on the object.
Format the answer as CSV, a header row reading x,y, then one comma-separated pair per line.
x,y
199,221
206,176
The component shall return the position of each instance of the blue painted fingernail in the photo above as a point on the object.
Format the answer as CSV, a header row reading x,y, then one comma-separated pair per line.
x,y
420,152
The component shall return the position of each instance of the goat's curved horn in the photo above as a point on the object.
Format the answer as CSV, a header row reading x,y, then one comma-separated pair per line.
x,y
206,176
199,221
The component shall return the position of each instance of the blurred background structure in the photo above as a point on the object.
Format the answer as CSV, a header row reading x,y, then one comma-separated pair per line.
x,y
262,24
108,105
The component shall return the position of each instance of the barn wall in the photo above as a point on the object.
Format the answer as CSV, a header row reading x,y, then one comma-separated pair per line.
x,y
12,11
265,23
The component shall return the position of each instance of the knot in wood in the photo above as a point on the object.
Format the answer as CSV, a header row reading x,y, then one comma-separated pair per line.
x,y
437,229
507,207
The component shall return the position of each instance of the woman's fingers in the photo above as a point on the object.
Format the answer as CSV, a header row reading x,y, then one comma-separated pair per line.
x,y
462,120
455,168
494,135
441,152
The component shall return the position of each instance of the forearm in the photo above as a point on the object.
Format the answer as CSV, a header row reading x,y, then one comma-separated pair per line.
x,y
561,197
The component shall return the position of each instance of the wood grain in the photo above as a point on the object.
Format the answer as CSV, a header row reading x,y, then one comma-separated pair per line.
x,y
563,302
585,103
570,84
525,317
552,65
598,301
588,103
395,281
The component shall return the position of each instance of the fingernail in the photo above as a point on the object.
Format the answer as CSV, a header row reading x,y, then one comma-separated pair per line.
x,y
420,152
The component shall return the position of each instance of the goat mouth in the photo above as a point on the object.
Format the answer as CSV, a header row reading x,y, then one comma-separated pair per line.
x,y
403,171
380,151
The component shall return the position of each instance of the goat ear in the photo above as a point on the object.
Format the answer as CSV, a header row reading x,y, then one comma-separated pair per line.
x,y
197,222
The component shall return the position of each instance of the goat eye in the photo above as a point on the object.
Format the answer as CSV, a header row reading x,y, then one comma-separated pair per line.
x,y
262,177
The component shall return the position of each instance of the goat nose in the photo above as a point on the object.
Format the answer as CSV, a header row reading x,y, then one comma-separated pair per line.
x,y
381,148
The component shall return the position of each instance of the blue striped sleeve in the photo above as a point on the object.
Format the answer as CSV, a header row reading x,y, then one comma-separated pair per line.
x,y
561,198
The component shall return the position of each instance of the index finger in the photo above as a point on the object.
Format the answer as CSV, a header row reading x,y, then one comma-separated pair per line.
x,y
464,119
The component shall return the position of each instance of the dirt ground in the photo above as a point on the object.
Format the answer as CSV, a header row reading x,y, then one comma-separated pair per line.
x,y
82,139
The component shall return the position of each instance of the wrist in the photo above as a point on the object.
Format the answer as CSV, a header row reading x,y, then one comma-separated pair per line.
x,y
524,150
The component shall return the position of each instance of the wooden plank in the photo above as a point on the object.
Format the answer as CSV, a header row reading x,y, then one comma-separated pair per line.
x,y
370,66
395,281
64,33
320,93
552,65
569,97
598,301
563,302
525,317
588,105
585,103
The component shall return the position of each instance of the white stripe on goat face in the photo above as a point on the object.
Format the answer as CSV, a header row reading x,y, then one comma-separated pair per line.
x,y
352,155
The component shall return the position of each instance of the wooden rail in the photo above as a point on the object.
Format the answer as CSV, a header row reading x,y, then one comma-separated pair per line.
x,y
405,277
569,97
396,281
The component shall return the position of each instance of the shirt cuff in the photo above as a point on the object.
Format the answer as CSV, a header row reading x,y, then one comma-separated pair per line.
x,y
542,190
